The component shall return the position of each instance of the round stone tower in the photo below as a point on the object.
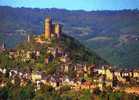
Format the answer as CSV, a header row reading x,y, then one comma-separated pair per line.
x,y
47,28
57,30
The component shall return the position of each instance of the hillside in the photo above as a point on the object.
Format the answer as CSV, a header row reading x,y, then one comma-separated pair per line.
x,y
78,53
111,34
38,70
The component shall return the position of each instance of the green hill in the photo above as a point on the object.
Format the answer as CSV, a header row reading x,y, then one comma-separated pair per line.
x,y
78,54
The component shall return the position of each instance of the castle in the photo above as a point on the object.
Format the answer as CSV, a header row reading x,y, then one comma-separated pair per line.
x,y
51,29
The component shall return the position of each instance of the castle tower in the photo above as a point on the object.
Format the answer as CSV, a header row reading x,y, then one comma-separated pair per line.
x,y
57,30
47,28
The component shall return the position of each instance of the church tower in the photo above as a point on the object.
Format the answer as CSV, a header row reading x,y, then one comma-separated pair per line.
x,y
28,38
47,28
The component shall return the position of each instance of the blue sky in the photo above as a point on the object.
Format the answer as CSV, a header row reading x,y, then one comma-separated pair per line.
x,y
75,4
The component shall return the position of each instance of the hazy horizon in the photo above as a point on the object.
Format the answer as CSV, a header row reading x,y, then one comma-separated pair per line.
x,y
69,9
87,5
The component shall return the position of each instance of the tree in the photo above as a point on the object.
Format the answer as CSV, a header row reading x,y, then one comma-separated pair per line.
x,y
27,92
96,91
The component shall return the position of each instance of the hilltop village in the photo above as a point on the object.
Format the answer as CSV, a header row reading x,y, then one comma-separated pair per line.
x,y
49,63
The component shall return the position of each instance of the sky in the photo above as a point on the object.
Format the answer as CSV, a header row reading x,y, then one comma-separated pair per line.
x,y
74,4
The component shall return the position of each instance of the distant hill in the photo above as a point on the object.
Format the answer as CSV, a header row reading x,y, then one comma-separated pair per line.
x,y
114,35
